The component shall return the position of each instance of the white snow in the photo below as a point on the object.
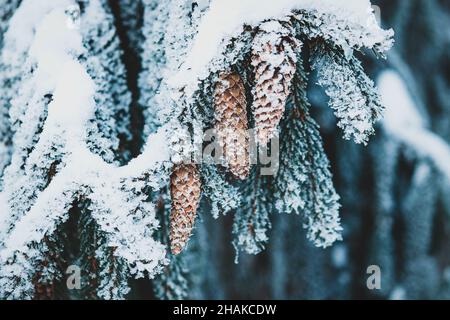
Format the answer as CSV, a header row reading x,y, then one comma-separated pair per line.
x,y
404,122
225,20
155,151
87,170
73,103
55,47
23,24
4,212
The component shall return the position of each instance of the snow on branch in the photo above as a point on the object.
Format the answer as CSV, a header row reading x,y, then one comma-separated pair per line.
x,y
116,194
226,20
353,96
3,215
22,26
7,83
404,123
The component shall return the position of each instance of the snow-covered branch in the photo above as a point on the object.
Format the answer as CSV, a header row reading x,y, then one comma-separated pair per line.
x,y
226,20
405,124
118,204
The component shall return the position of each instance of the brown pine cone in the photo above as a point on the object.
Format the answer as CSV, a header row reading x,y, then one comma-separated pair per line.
x,y
232,123
185,190
274,60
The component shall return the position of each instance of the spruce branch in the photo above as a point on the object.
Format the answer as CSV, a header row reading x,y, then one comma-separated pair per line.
x,y
304,182
251,220
353,95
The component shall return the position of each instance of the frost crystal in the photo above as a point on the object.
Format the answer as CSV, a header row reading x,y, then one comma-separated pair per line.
x,y
352,94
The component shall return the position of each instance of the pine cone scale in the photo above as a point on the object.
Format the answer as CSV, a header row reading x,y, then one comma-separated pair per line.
x,y
185,192
274,62
232,124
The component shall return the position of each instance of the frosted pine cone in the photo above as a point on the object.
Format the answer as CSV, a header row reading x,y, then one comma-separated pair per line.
x,y
274,60
232,123
185,190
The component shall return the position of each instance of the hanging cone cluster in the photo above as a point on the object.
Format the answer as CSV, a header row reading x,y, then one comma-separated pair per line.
x,y
232,123
274,60
185,190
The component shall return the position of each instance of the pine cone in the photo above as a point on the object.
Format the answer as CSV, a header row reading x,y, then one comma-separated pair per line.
x,y
274,61
185,190
232,123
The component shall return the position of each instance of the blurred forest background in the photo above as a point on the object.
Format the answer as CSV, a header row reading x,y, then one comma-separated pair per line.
x,y
395,208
